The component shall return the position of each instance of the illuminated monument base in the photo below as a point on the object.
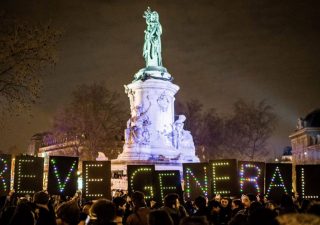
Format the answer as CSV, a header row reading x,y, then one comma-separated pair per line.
x,y
153,135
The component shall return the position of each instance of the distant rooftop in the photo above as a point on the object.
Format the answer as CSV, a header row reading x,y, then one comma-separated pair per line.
x,y
313,119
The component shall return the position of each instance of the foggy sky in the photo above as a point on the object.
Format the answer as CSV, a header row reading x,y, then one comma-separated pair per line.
x,y
217,51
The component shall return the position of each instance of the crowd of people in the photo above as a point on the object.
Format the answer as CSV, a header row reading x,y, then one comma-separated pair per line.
x,y
43,209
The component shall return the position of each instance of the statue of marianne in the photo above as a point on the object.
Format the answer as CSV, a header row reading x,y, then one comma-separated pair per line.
x,y
152,41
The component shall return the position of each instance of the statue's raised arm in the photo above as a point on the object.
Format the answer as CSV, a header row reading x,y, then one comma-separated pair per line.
x,y
152,40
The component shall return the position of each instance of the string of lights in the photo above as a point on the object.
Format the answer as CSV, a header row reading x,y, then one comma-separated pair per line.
x,y
204,188
88,180
162,187
20,176
253,179
215,178
2,172
62,185
149,188
274,184
303,183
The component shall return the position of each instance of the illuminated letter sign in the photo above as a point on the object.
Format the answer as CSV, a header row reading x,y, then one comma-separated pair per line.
x,y
96,179
308,184
5,171
141,178
169,182
28,177
62,177
224,177
278,180
196,179
251,176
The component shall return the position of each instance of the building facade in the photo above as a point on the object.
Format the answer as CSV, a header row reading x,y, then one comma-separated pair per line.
x,y
305,142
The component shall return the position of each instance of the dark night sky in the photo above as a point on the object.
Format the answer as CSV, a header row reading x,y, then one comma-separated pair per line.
x,y
216,50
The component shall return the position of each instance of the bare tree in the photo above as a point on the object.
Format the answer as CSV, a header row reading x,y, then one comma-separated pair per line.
x,y
242,135
248,129
25,51
210,136
95,118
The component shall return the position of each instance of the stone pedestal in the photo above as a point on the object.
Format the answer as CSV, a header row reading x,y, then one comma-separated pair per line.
x,y
152,132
